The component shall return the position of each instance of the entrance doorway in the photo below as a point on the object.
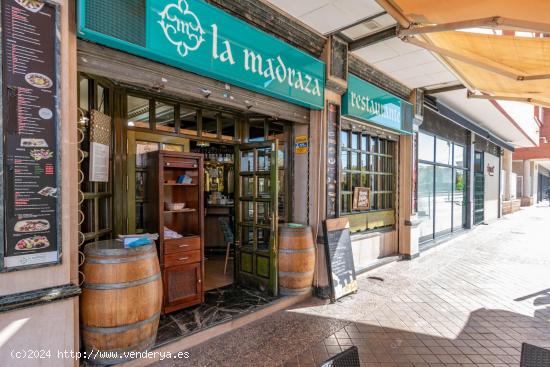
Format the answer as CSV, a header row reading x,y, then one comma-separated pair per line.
x,y
479,188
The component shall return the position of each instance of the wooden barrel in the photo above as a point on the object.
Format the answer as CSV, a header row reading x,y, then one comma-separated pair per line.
x,y
296,259
121,299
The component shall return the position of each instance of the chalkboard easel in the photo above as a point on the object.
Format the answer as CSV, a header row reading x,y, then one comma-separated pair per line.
x,y
339,257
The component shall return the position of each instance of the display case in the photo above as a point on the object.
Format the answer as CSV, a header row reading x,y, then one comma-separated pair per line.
x,y
175,210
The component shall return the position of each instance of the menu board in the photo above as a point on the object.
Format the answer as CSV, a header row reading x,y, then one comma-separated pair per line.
x,y
30,125
332,161
339,256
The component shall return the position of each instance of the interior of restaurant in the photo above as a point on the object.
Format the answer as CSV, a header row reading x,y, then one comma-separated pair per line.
x,y
145,122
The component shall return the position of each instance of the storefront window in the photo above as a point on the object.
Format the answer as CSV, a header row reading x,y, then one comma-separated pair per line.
x,y
209,124
256,129
441,186
425,147
165,117
138,112
228,127
366,161
188,121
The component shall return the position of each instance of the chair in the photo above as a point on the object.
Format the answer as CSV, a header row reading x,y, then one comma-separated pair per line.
x,y
228,238
533,356
347,358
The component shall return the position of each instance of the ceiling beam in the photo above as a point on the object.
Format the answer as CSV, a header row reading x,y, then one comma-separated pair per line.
x,y
360,21
373,38
448,88
508,98
396,14
495,22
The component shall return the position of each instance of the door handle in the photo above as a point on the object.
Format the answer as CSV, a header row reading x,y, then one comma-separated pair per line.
x,y
183,258
180,246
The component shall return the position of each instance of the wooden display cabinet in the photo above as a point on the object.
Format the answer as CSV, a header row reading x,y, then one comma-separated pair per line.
x,y
181,259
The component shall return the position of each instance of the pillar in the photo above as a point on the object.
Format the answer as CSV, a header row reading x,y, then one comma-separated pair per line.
x,y
527,188
470,186
507,168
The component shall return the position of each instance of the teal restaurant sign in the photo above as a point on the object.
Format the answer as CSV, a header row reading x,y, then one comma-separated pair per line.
x,y
200,38
366,101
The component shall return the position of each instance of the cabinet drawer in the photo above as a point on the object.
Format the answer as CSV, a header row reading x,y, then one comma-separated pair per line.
x,y
180,162
182,244
181,258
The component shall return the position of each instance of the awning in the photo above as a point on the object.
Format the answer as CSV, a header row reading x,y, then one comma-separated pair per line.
x,y
478,40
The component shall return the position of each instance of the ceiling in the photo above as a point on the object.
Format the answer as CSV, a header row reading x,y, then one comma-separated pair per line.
x,y
356,20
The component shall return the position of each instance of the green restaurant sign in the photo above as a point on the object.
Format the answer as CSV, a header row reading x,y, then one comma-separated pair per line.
x,y
366,101
200,38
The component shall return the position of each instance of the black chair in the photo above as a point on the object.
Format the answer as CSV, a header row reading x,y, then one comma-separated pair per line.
x,y
347,358
533,356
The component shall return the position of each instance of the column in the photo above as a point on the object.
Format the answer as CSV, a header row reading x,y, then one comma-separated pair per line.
x,y
527,189
507,168
471,175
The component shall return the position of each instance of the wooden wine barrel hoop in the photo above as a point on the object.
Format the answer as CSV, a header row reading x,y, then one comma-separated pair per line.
x,y
294,291
133,283
90,250
295,273
121,328
123,260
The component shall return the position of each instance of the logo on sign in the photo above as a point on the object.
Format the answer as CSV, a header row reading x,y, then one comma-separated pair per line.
x,y
490,170
182,27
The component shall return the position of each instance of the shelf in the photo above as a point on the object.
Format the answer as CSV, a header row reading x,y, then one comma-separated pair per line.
x,y
180,211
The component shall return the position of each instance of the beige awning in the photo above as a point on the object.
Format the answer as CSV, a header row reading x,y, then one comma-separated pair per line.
x,y
492,64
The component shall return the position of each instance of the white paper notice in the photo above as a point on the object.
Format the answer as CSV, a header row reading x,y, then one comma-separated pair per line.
x,y
99,162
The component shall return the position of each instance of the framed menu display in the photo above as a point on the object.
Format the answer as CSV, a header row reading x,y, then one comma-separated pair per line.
x,y
361,198
30,130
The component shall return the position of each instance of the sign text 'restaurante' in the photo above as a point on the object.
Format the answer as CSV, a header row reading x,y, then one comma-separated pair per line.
x,y
368,105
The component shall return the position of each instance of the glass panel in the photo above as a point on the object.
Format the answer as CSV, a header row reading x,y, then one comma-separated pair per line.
x,y
356,180
443,199
138,112
364,144
139,216
344,138
247,236
426,147
102,95
247,186
478,162
281,192
84,95
365,180
344,160
264,157
459,158
443,151
188,121
264,236
228,127
256,129
345,177
247,161
276,130
355,141
142,148
209,124
459,199
281,155
374,144
425,199
264,213
248,211
355,161
140,184
346,203
263,187
165,119
364,162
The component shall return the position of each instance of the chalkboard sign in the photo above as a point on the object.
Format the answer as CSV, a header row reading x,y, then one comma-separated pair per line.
x,y
30,125
339,256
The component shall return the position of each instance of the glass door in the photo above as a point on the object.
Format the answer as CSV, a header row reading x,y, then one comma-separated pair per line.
x,y
256,211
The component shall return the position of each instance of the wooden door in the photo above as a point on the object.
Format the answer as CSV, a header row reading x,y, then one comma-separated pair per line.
x,y
256,212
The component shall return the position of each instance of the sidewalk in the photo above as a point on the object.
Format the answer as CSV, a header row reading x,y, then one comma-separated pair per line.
x,y
471,301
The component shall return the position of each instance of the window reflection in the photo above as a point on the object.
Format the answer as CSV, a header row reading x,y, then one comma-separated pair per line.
x,y
443,151
138,112
165,117
188,121
425,147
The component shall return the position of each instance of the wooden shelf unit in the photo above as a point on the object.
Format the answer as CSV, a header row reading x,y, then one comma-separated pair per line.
x,y
181,259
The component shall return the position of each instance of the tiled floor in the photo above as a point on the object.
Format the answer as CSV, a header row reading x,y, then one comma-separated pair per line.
x,y
469,302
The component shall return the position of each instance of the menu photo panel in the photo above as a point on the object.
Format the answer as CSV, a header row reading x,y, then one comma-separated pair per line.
x,y
30,124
